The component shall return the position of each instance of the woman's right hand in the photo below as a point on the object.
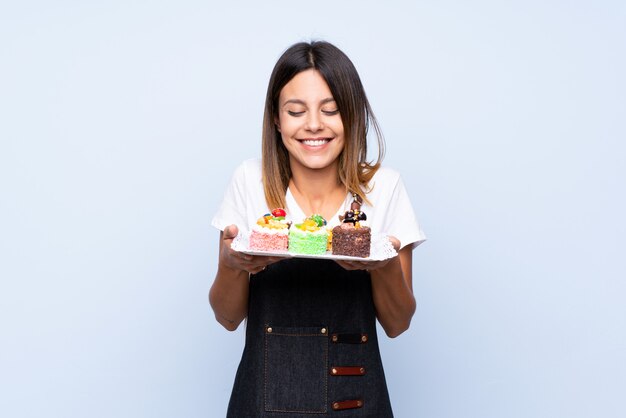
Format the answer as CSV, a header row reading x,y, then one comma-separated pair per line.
x,y
240,261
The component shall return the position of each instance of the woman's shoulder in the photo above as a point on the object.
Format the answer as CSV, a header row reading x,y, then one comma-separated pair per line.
x,y
249,169
250,165
386,175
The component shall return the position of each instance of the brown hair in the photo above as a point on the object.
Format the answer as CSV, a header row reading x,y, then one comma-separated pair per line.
x,y
355,171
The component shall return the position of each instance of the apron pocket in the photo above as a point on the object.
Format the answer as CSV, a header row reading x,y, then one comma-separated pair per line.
x,y
296,369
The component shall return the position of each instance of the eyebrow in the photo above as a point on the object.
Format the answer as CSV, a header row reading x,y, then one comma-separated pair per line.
x,y
300,102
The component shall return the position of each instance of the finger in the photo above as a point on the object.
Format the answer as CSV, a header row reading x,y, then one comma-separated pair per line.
x,y
256,270
246,257
357,265
237,260
230,232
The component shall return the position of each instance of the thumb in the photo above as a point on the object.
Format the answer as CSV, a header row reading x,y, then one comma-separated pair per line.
x,y
230,232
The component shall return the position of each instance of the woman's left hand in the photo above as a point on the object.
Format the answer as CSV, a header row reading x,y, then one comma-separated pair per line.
x,y
370,265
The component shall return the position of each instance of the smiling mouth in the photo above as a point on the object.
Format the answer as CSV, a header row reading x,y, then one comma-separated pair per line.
x,y
315,142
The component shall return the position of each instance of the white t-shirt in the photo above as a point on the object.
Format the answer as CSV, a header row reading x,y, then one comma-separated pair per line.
x,y
391,211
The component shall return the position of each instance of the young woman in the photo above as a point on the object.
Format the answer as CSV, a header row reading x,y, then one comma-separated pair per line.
x,y
311,344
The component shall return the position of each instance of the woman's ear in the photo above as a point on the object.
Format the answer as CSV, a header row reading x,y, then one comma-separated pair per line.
x,y
277,123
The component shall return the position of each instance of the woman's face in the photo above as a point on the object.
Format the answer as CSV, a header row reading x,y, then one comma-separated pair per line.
x,y
309,122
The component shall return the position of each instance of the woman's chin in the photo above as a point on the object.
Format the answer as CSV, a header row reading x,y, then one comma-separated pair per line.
x,y
315,164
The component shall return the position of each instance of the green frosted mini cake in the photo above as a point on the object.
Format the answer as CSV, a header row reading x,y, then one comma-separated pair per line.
x,y
309,237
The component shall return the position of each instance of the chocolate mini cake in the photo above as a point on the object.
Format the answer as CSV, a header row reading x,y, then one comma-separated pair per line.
x,y
351,238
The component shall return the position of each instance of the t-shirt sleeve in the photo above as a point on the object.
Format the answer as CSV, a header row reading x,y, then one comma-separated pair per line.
x,y
400,218
233,207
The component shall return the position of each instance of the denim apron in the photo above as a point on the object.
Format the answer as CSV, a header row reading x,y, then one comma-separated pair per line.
x,y
311,346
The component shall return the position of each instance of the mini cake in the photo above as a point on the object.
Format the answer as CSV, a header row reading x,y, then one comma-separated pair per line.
x,y
309,237
351,238
271,232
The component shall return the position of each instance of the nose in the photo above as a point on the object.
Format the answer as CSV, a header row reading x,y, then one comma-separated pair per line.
x,y
314,122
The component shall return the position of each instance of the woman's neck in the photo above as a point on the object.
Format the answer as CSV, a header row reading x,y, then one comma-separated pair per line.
x,y
317,191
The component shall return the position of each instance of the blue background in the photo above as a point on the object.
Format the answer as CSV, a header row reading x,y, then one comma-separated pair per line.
x,y
120,125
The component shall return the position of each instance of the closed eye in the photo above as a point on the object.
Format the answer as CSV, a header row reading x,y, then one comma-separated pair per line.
x,y
291,113
330,112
